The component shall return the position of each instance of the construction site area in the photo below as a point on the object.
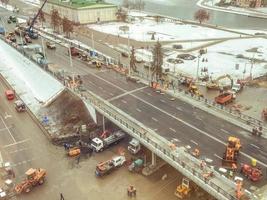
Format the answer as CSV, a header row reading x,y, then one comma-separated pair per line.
x,y
112,114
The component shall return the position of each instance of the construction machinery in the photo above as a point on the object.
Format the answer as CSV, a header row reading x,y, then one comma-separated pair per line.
x,y
193,89
99,144
136,165
231,152
108,166
11,36
10,94
252,173
29,30
73,51
20,106
225,98
134,146
34,177
50,45
182,191
215,85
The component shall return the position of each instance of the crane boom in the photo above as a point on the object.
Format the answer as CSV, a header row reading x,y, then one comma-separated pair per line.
x,y
35,17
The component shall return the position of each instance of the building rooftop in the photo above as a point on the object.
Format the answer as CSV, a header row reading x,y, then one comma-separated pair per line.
x,y
82,4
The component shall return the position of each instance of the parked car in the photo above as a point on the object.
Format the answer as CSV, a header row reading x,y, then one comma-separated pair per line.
x,y
11,19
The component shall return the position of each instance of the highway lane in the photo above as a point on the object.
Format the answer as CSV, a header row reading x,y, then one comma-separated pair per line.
x,y
218,128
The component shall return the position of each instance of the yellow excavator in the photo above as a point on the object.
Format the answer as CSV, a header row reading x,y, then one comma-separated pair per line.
x,y
214,84
182,190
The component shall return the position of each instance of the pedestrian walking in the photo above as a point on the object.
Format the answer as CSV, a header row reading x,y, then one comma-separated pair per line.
x,y
61,196
78,159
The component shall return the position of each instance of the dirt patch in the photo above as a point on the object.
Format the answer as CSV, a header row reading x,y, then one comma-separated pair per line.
x,y
66,114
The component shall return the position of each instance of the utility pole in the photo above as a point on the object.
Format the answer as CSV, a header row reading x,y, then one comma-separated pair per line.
x,y
198,57
93,45
43,47
71,65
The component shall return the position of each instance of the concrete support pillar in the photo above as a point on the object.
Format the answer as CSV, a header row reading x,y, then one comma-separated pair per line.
x,y
104,128
154,158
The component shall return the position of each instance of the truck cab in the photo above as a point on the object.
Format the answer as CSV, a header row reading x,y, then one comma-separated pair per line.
x,y
97,144
118,161
134,146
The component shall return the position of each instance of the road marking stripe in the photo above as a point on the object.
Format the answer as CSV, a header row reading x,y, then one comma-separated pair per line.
x,y
225,131
123,101
23,162
111,94
138,110
149,94
163,101
7,129
178,108
19,150
126,93
194,142
255,146
172,130
15,143
4,129
155,119
218,156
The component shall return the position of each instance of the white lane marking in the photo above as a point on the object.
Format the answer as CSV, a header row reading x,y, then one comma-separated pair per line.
x,y
178,108
178,119
7,129
194,142
163,101
225,131
218,156
19,150
138,110
155,129
123,101
111,94
15,143
172,130
149,94
255,146
155,119
199,118
127,93
100,88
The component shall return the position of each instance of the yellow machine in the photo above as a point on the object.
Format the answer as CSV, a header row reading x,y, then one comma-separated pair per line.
x,y
182,191
214,84
193,89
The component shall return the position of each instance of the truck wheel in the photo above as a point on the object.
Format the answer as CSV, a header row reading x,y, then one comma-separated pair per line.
x,y
27,190
41,181
101,150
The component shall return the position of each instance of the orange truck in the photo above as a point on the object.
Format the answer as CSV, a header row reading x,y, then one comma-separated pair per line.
x,y
225,98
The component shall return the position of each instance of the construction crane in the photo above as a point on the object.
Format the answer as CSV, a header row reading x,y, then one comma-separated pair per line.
x,y
214,84
29,30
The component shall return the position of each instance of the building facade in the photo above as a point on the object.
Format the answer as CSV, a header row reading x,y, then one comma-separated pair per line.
x,y
82,11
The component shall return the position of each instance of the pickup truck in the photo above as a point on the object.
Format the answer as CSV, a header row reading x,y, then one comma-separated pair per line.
x,y
108,166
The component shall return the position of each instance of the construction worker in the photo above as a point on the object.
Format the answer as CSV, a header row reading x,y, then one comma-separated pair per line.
x,y
254,131
196,152
259,131
61,196
202,164
234,167
131,191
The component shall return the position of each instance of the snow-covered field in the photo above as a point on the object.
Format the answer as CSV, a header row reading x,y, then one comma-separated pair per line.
x,y
223,58
164,31
32,2
32,84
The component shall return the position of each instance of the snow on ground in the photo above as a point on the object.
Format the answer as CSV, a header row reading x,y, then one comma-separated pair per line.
x,y
185,45
21,21
164,31
222,59
33,85
8,7
32,2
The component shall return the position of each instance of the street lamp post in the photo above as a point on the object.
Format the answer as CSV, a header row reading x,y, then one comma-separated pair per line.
x,y
198,57
71,65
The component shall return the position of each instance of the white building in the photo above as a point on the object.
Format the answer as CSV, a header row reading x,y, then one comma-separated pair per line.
x,y
82,11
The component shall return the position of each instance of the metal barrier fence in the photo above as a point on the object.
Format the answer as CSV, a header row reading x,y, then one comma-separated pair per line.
x,y
179,159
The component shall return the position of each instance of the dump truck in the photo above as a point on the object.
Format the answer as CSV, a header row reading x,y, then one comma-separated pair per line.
x,y
108,166
252,173
225,98
74,51
134,146
231,152
34,177
99,144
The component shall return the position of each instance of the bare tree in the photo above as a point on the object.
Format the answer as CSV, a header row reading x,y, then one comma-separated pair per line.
x,y
157,18
157,61
121,15
67,26
41,17
202,15
125,3
55,19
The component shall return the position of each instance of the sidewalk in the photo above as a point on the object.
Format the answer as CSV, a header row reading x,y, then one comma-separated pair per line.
x,y
208,4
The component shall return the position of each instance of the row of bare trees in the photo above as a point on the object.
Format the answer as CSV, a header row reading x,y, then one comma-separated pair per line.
x,y
57,22
134,4
4,1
